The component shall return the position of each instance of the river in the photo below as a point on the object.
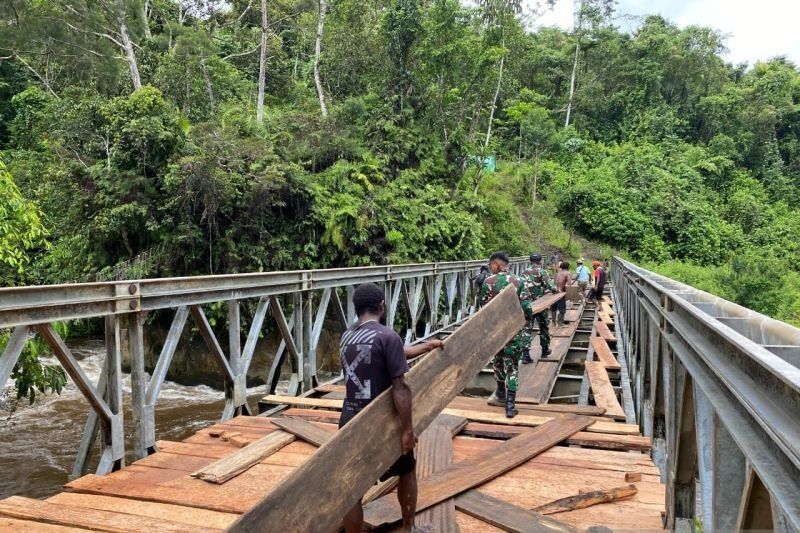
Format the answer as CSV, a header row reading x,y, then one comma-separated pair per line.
x,y
38,443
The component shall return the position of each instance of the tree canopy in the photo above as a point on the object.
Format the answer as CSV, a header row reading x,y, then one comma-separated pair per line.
x,y
133,134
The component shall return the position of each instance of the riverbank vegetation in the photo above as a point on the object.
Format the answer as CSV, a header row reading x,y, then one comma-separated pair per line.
x,y
158,138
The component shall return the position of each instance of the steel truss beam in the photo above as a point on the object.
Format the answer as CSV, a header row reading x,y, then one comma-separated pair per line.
x,y
719,378
432,295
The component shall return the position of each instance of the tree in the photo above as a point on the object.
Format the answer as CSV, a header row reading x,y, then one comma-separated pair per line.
x,y
106,19
262,63
495,13
322,7
595,11
21,228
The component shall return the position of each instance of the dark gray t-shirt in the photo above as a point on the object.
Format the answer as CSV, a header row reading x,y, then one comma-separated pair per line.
x,y
371,355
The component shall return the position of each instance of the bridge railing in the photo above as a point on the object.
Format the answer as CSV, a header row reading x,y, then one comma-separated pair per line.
x,y
718,388
421,297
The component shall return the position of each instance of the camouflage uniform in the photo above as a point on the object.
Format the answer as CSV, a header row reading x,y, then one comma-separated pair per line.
x,y
506,362
539,283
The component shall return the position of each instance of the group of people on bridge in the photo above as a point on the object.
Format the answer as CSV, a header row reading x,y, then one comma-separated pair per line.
x,y
374,357
534,283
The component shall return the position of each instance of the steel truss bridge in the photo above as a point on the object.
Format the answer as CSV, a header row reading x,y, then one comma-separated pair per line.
x,y
715,385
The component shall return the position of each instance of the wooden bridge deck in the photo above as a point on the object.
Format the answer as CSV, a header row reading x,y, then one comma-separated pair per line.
x,y
157,493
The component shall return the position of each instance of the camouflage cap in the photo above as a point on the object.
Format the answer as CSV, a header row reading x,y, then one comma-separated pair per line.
x,y
535,258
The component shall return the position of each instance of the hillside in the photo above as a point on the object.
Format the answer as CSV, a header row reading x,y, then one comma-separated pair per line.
x,y
173,138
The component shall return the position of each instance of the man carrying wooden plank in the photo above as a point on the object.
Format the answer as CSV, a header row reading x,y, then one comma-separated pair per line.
x,y
373,360
506,362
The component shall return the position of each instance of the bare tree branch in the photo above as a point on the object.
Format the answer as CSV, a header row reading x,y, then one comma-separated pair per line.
x,y
35,73
239,54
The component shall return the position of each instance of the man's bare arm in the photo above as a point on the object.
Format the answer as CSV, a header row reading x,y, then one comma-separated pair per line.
x,y
401,395
415,350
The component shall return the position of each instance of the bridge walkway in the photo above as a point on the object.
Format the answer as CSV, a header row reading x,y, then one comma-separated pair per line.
x,y
159,493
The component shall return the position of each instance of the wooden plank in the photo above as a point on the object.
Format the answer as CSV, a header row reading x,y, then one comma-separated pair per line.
x,y
196,450
435,454
587,499
606,308
536,420
319,434
308,431
507,516
298,401
480,405
603,331
582,438
228,467
453,424
587,410
573,315
329,387
52,513
570,457
602,390
609,441
537,383
12,525
162,511
603,353
479,469
604,318
346,466
184,463
174,487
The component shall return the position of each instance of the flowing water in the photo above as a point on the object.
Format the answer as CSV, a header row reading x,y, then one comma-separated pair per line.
x,y
38,443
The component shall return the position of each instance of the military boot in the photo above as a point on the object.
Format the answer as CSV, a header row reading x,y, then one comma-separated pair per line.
x,y
546,352
526,357
499,396
511,405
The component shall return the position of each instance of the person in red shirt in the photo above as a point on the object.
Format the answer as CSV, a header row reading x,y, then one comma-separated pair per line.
x,y
599,281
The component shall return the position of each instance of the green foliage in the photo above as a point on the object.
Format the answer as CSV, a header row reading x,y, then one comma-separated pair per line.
x,y
672,156
21,228
30,375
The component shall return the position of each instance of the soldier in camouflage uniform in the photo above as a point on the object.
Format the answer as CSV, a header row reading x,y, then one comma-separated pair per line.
x,y
506,362
538,283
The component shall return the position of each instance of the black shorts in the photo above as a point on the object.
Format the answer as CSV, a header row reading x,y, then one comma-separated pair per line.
x,y
404,465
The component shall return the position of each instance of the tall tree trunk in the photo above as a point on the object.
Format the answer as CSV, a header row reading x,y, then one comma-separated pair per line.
x,y
535,175
317,51
479,174
496,96
262,65
572,81
130,54
209,88
578,25
143,18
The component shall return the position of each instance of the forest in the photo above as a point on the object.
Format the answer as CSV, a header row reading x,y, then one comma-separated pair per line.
x,y
144,138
